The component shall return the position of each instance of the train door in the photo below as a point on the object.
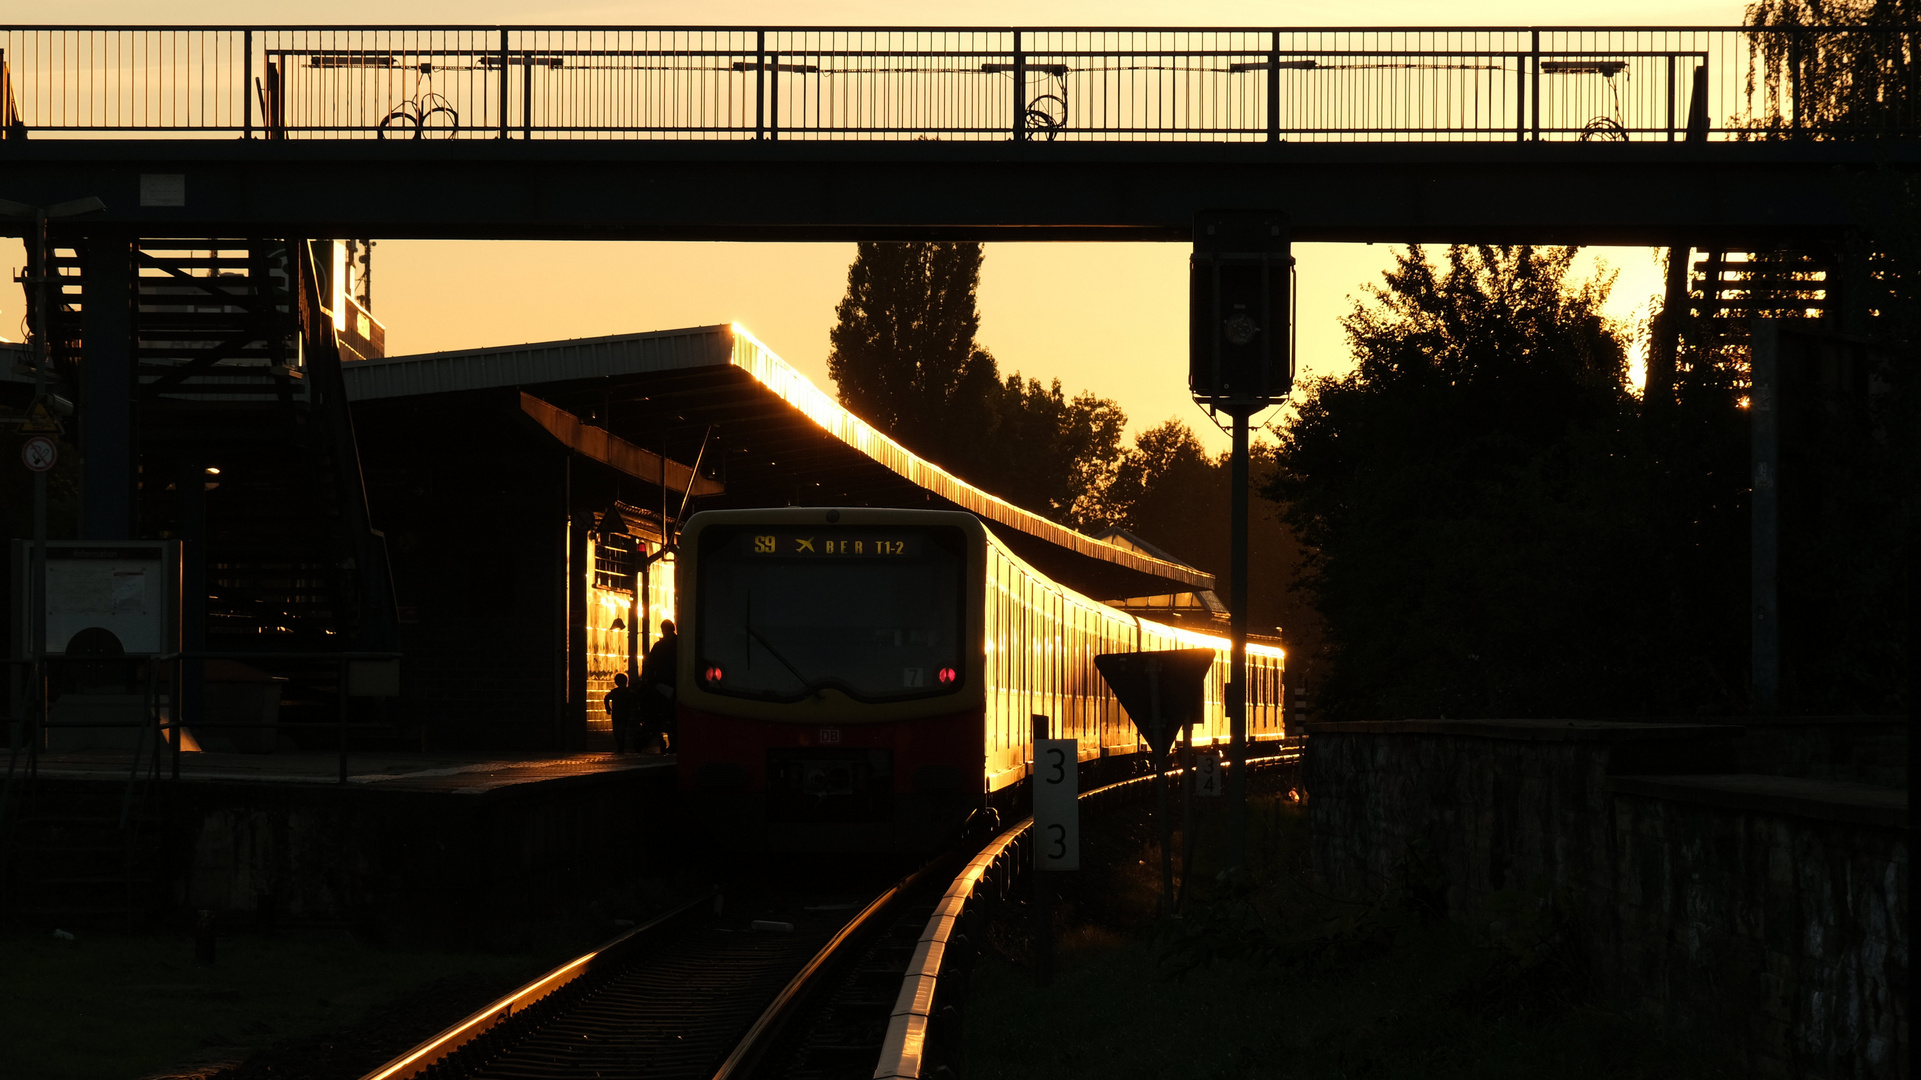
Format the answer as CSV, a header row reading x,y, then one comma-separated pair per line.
x,y
611,603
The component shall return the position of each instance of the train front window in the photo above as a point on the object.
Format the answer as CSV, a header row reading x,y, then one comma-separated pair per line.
x,y
875,613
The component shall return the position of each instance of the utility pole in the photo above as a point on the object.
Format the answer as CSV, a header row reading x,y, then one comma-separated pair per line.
x,y
1239,362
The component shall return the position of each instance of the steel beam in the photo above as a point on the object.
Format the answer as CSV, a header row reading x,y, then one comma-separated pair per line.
x,y
596,443
107,377
1533,192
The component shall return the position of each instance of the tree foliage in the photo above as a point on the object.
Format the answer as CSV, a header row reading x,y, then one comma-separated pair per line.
x,y
1491,532
1851,73
1171,492
905,359
903,354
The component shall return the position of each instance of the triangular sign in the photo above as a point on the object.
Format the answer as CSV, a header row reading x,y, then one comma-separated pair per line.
x,y
40,421
1161,690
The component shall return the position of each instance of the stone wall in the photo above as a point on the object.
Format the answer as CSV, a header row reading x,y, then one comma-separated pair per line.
x,y
1772,915
1495,805
1771,908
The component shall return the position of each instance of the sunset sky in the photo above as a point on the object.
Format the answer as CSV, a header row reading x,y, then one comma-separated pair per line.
x,y
1110,318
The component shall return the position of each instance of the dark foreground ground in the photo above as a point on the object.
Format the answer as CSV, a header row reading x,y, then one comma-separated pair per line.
x,y
1263,978
315,1003
298,1003
1272,979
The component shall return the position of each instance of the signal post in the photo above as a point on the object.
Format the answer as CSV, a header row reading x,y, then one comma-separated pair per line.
x,y
1240,361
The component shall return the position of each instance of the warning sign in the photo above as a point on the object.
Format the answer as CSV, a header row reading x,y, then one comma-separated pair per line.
x,y
40,420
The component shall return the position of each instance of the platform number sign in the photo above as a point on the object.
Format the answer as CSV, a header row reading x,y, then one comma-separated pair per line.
x,y
1207,773
1057,820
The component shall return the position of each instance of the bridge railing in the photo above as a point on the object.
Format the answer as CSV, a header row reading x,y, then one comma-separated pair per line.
x,y
740,83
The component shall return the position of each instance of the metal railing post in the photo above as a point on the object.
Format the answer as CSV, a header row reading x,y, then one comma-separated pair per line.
x,y
246,81
1020,90
503,129
773,113
1520,97
1795,46
1535,89
37,730
1274,86
1764,526
760,84
179,720
1671,98
343,719
527,94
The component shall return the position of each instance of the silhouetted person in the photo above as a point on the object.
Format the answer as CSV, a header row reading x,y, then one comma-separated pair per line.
x,y
623,708
657,675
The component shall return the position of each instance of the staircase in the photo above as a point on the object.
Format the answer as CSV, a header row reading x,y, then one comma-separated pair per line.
x,y
246,445
83,854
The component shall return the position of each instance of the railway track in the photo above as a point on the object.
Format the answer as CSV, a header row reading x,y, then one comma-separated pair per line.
x,y
693,994
821,992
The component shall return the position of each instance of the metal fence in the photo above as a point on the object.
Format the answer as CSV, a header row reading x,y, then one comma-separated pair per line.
x,y
1213,85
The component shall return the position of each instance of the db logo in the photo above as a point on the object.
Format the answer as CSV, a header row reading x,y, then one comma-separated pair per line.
x,y
829,735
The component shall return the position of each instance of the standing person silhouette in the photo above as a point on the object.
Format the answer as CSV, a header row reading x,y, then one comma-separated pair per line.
x,y
623,708
658,673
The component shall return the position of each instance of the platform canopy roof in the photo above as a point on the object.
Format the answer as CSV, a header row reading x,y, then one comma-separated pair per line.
x,y
763,434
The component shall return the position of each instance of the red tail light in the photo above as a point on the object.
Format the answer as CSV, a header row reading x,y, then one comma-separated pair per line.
x,y
948,675
712,674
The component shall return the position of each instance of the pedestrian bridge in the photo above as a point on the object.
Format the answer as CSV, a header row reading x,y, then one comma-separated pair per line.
x,y
1590,134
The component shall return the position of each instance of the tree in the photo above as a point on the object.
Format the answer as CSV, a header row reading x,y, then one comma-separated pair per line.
x,y
1170,492
1831,68
905,360
903,352
1486,533
1047,452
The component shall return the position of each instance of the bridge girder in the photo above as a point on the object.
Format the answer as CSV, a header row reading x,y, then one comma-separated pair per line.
x,y
1594,193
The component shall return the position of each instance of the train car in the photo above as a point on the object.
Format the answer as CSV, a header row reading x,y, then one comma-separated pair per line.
x,y
863,679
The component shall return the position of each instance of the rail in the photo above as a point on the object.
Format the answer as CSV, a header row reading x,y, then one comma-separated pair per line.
x,y
754,1045
441,1055
430,1053
1468,84
910,1027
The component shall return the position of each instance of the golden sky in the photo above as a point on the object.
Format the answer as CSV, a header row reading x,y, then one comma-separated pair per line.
x,y
1110,318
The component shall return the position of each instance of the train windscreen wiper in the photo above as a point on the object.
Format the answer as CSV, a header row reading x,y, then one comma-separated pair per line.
x,y
768,645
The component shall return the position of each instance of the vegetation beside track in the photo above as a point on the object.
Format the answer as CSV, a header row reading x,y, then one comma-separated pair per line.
x,y
1268,978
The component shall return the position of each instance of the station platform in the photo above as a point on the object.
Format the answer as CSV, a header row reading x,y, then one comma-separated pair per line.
x,y
451,773
431,847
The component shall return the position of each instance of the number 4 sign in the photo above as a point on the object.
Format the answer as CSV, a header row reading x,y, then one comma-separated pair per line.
x,y
1207,773
1057,819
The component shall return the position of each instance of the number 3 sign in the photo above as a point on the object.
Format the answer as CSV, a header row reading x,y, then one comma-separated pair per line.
x,y
1207,773
1057,819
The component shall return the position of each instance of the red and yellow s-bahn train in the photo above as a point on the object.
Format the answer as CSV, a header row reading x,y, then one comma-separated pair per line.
x,y
863,679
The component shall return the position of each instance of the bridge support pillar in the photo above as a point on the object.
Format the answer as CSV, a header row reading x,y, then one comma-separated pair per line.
x,y
107,384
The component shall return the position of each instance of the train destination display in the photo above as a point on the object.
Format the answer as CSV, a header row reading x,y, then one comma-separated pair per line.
x,y
840,545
